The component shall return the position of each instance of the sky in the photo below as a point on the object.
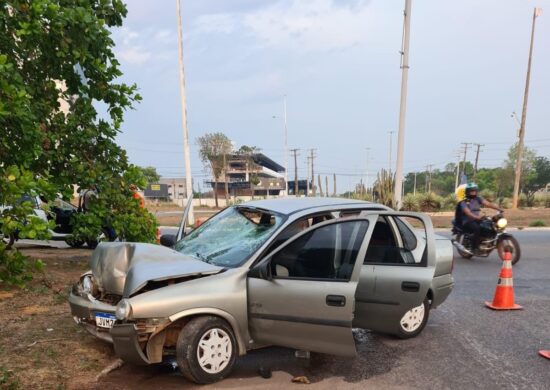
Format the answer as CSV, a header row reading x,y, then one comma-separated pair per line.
x,y
338,63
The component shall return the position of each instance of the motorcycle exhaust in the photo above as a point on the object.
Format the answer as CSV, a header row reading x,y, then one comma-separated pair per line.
x,y
460,247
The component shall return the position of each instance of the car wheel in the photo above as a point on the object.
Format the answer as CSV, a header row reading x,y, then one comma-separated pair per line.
x,y
206,349
414,321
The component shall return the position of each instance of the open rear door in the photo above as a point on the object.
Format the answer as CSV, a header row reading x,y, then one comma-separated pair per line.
x,y
397,270
302,295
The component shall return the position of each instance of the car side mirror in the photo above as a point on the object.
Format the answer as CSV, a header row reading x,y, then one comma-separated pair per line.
x,y
168,240
261,271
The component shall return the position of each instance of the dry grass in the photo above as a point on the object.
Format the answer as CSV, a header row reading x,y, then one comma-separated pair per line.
x,y
40,345
516,218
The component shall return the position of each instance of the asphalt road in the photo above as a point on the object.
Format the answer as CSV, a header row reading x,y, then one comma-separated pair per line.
x,y
464,345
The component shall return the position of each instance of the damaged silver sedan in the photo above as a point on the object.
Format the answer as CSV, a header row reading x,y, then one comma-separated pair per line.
x,y
298,273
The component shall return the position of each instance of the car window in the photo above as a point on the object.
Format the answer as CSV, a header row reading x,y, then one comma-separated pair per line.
x,y
385,249
328,252
297,227
230,237
408,237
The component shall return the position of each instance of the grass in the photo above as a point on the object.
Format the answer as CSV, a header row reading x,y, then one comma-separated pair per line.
x,y
537,223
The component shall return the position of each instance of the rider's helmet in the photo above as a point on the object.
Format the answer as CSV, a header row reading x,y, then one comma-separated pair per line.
x,y
471,187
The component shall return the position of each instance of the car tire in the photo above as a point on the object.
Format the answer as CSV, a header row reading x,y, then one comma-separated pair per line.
x,y
201,334
414,321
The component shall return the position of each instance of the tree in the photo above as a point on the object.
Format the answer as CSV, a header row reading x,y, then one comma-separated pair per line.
x,y
248,153
212,149
56,65
383,187
150,174
537,178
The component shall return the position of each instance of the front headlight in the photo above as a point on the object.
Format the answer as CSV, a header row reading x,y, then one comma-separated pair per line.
x,y
123,310
502,223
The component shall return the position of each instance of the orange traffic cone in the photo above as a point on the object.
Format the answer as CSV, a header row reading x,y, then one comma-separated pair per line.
x,y
545,354
504,294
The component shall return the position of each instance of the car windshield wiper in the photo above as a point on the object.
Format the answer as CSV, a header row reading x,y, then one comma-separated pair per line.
x,y
202,257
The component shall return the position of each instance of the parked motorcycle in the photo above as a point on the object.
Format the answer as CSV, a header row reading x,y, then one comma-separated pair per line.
x,y
61,213
493,236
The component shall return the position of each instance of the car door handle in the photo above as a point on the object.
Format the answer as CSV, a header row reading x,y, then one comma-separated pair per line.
x,y
410,286
336,300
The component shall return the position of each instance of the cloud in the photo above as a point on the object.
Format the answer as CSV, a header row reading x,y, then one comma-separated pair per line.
x,y
315,25
135,55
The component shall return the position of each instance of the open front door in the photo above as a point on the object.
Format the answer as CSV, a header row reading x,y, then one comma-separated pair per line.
x,y
302,295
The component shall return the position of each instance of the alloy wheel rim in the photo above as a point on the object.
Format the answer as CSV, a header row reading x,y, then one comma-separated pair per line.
x,y
214,350
412,319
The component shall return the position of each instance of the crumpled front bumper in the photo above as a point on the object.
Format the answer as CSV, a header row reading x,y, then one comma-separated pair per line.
x,y
124,337
83,310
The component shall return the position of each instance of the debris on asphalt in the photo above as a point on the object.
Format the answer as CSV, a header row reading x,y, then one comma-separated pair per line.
x,y
111,367
301,379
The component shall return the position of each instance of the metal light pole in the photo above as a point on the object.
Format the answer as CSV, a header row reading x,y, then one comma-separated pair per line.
x,y
286,147
403,105
536,12
186,152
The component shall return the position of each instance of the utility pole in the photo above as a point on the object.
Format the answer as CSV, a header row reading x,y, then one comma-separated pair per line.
x,y
334,183
312,158
186,152
429,178
391,144
466,146
326,186
295,152
458,155
367,171
320,186
536,12
403,104
477,159
414,191
308,158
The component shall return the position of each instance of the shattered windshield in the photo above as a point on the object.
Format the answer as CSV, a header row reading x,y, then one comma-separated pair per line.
x,y
230,237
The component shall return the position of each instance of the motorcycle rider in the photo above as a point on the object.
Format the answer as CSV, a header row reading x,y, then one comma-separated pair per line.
x,y
471,208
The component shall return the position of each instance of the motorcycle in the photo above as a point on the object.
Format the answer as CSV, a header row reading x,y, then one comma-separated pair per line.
x,y
492,236
61,213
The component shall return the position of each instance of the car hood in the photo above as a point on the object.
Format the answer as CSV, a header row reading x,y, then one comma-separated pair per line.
x,y
123,268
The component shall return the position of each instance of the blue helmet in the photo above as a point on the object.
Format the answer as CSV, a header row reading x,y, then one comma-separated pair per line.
x,y
470,187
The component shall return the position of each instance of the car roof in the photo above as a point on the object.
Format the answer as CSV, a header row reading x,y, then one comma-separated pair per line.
x,y
291,205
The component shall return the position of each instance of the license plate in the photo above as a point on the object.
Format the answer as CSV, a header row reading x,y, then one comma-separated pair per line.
x,y
104,320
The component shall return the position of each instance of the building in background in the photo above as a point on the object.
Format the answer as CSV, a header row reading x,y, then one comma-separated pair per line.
x,y
251,175
175,187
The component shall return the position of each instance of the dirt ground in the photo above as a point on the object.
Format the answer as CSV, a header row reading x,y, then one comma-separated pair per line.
x,y
516,218
41,347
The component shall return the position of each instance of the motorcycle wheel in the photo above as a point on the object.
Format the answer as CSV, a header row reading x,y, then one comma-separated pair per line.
x,y
464,255
8,240
73,243
512,243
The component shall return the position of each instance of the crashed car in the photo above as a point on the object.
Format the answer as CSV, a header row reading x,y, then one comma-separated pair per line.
x,y
297,273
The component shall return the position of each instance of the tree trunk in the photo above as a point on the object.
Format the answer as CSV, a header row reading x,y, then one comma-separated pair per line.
x,y
216,190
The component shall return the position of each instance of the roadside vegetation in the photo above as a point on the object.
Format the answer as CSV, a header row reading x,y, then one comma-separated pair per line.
x,y
52,138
